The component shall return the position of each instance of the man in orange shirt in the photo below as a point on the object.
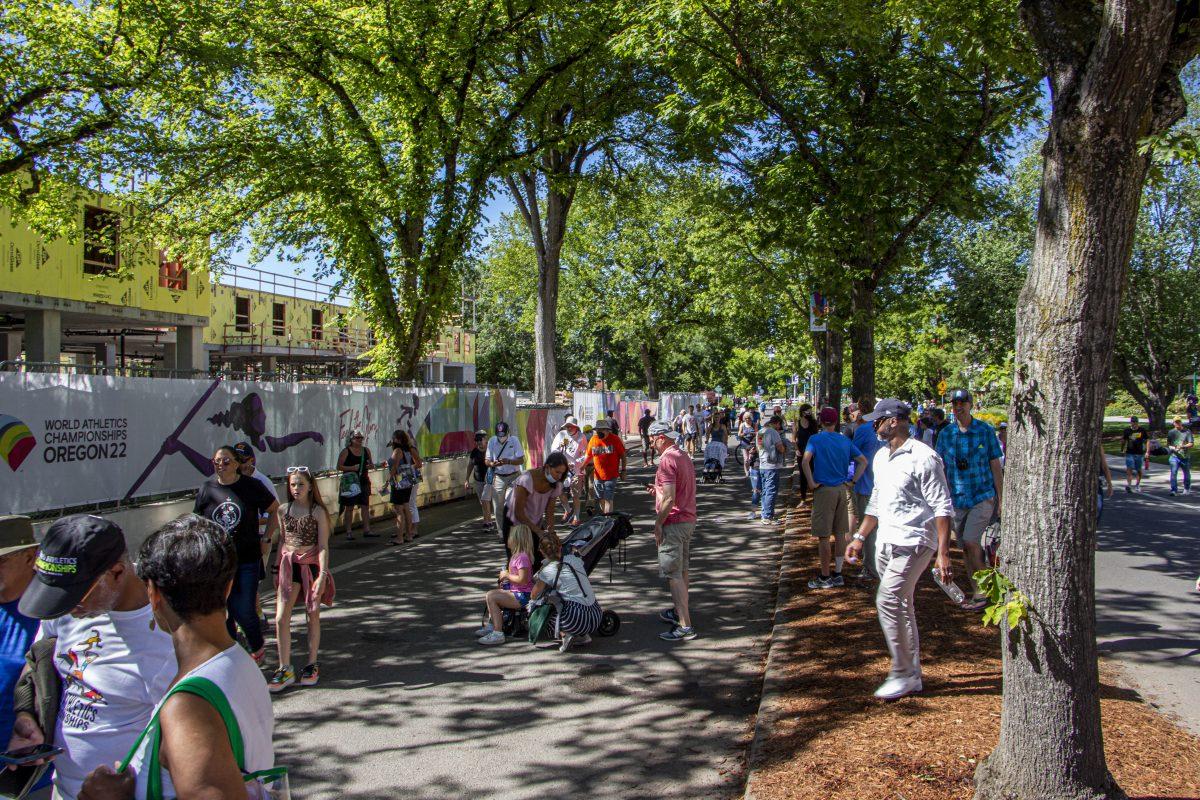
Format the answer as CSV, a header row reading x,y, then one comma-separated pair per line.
x,y
606,458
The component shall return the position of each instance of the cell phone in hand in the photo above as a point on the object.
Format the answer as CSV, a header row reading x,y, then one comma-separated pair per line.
x,y
27,755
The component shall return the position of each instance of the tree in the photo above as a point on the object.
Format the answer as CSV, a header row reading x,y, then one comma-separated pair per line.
x,y
365,137
1113,70
824,108
588,112
1158,334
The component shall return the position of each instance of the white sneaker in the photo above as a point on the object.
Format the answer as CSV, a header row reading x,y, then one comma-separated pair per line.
x,y
1184,491
484,631
495,637
1138,489
897,687
566,642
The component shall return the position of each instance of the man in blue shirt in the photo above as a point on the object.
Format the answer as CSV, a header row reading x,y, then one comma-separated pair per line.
x,y
867,443
826,466
17,553
971,456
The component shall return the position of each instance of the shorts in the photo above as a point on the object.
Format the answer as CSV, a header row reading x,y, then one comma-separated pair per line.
x,y
830,511
483,490
312,571
675,550
1134,463
860,505
970,523
605,490
361,500
522,597
400,497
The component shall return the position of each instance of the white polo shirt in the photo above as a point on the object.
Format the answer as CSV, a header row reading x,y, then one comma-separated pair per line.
x,y
910,492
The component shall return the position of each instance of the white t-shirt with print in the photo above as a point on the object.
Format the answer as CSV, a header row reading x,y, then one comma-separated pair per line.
x,y
571,585
115,669
573,447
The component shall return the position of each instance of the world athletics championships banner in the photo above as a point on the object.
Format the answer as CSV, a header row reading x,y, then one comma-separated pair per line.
x,y
76,439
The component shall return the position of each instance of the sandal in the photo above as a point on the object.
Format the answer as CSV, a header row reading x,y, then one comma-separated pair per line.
x,y
978,604
394,542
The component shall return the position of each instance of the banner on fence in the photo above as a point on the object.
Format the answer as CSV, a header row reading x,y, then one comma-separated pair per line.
x,y
671,403
72,439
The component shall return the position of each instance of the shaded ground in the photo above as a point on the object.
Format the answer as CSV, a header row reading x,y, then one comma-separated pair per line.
x,y
831,740
409,706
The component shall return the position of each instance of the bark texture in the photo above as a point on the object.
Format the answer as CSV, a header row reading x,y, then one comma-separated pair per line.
x,y
1113,71
862,341
831,348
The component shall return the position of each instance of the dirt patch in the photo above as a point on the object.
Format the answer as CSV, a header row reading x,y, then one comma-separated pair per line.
x,y
830,739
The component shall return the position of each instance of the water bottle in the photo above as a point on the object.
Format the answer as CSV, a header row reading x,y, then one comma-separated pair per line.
x,y
949,587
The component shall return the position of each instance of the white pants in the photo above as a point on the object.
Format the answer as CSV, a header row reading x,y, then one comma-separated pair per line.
x,y
899,570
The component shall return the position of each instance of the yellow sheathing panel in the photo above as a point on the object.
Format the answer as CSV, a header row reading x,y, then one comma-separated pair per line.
x,y
31,265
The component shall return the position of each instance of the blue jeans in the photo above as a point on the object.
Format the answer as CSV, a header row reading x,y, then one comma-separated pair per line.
x,y
240,605
755,486
770,489
1180,464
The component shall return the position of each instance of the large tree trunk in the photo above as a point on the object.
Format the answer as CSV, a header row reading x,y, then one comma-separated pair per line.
x,y
1154,402
1104,67
830,347
648,369
862,341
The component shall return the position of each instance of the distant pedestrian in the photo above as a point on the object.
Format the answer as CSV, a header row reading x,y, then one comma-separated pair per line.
x,y
248,466
909,502
613,427
970,453
1002,435
827,460
354,491
1179,445
403,464
504,458
772,463
477,471
571,442
805,428
605,458
691,430
674,491
18,549
850,420
1135,441
644,423
1191,405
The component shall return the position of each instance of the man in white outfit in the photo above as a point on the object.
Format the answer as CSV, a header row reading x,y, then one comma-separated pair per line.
x,y
910,500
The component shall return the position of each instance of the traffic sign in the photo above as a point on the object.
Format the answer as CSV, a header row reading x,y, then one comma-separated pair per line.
x,y
941,387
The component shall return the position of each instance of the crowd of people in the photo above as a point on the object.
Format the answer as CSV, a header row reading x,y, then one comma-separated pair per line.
x,y
133,661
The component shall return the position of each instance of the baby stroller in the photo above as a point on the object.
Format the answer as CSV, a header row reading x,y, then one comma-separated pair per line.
x,y
714,461
591,541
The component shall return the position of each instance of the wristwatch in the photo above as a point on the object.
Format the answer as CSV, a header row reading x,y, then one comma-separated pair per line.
x,y
858,537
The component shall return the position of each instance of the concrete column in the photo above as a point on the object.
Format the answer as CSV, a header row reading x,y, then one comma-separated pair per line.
x,y
270,364
10,346
106,354
438,375
43,335
169,355
189,348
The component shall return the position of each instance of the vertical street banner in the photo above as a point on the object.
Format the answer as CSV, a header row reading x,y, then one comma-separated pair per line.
x,y
818,313
70,440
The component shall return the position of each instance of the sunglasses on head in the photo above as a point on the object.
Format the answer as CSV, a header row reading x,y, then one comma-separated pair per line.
x,y
293,470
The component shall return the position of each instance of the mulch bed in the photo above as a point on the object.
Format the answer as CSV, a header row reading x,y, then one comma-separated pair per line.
x,y
831,739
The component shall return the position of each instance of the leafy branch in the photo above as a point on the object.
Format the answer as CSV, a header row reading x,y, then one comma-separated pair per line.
x,y
1005,601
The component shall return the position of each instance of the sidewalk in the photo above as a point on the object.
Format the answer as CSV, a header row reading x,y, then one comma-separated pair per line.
x,y
821,735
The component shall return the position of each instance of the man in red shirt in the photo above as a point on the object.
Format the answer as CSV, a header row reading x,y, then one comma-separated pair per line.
x,y
674,492
606,457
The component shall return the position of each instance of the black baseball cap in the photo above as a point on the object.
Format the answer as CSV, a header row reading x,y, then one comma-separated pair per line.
x,y
963,395
75,551
501,428
243,451
889,407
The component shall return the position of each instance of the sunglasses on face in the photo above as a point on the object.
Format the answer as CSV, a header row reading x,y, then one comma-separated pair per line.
x,y
293,470
220,462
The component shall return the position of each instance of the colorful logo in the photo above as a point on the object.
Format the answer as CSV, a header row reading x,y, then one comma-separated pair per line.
x,y
16,441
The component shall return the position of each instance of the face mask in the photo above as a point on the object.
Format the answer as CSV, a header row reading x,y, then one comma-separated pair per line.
x,y
502,438
550,479
879,434
599,434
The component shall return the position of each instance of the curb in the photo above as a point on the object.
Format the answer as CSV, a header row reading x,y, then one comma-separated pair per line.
x,y
772,685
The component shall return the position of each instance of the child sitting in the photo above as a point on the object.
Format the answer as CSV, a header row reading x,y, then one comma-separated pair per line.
x,y
578,614
516,582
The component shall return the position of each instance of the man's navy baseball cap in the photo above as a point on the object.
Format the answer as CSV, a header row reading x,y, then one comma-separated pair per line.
x,y
75,552
889,407
961,395
501,428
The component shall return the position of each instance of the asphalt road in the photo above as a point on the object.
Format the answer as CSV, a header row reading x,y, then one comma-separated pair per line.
x,y
409,706
1147,609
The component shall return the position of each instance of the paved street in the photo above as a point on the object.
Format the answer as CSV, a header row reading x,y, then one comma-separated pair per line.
x,y
409,706
1147,610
